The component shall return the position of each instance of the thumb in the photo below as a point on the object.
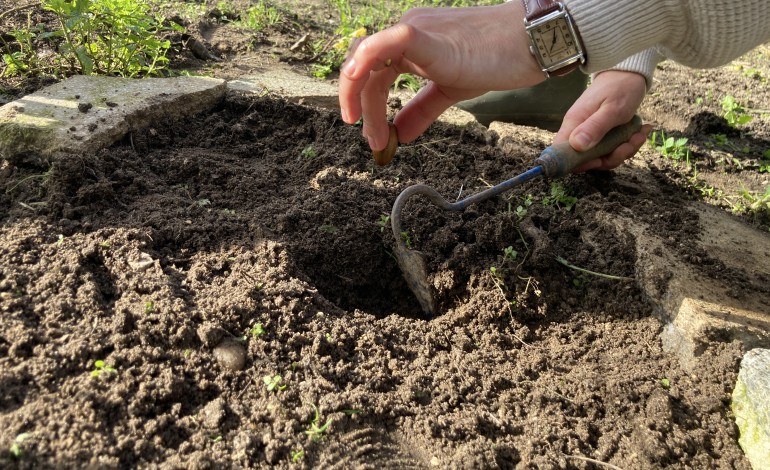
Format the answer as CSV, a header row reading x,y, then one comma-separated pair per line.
x,y
592,130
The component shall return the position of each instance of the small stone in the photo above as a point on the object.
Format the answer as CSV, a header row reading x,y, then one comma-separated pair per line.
x,y
434,462
231,355
144,262
84,107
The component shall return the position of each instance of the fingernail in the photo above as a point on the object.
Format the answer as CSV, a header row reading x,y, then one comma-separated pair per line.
x,y
583,141
349,67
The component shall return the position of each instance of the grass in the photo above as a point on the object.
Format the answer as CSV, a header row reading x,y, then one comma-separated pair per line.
x,y
316,429
259,17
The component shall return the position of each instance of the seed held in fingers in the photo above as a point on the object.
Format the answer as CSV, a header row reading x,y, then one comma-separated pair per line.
x,y
384,156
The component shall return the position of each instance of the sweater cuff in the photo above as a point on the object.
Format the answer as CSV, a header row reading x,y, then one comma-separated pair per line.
x,y
643,63
615,30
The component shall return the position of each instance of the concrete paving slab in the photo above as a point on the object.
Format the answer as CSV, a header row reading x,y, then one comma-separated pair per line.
x,y
292,86
751,407
84,113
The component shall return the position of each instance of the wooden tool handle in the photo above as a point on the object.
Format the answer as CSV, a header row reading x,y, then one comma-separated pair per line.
x,y
559,160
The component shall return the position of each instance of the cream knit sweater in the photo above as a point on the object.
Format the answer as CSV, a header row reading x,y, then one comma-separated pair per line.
x,y
635,35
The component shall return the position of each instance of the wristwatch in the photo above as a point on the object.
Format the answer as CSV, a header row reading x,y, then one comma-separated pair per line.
x,y
555,41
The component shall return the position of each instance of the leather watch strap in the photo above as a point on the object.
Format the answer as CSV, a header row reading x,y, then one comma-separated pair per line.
x,y
534,9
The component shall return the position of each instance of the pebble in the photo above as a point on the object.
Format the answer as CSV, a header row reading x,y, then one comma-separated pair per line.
x,y
144,262
231,355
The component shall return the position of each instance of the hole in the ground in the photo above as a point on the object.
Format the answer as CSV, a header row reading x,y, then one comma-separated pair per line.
x,y
365,279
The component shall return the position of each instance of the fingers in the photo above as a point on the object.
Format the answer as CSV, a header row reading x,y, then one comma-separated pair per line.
x,y
369,57
620,154
426,106
588,133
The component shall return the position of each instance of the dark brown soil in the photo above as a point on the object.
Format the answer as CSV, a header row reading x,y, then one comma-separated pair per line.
x,y
162,255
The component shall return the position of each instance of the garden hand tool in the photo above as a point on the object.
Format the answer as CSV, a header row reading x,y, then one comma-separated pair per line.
x,y
555,161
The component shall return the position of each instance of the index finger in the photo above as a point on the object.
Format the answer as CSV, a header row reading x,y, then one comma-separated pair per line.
x,y
391,44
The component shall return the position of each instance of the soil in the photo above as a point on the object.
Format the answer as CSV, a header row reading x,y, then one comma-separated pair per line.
x,y
234,271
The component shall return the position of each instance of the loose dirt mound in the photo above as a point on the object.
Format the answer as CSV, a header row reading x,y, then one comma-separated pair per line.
x,y
258,231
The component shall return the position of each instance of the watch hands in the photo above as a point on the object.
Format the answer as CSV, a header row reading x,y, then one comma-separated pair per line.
x,y
553,42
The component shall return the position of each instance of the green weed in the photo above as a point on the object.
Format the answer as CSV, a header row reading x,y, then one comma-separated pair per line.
x,y
317,429
764,163
16,449
383,222
309,152
408,81
734,112
752,73
297,455
274,383
509,254
149,307
752,203
260,16
498,276
100,367
407,238
665,382
521,209
673,148
25,60
109,37
257,330
559,197
328,228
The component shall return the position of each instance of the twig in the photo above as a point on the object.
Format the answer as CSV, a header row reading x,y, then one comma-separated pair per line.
x,y
325,47
593,461
19,8
593,273
485,182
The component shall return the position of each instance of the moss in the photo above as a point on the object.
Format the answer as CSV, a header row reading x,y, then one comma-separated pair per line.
x,y
753,431
17,137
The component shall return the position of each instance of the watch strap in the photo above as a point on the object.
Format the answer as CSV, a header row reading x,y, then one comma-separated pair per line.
x,y
535,9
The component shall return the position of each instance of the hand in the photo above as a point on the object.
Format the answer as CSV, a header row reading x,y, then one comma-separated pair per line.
x,y
611,100
464,52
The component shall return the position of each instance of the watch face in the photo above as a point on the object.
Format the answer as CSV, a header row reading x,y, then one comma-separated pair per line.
x,y
553,41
